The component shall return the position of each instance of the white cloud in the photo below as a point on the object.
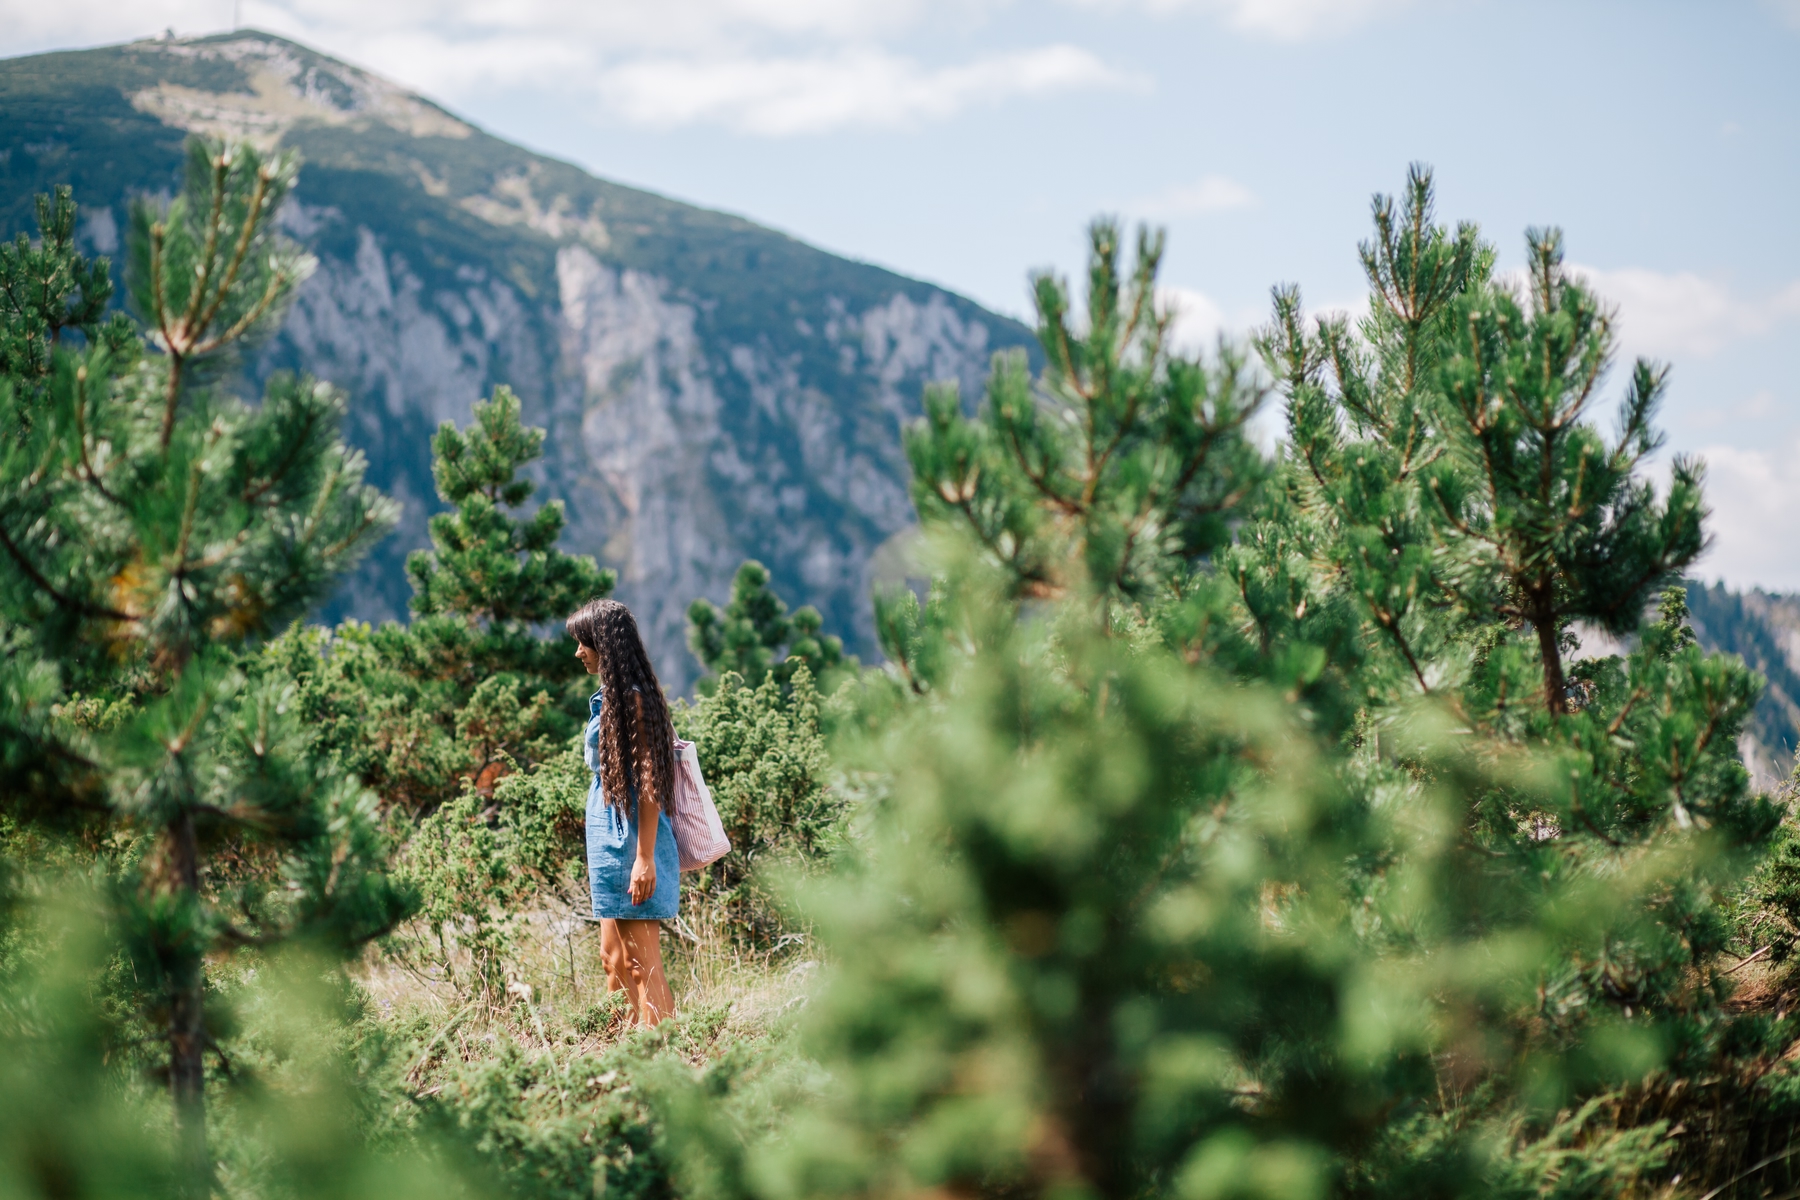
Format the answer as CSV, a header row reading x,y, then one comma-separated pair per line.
x,y
30,27
1210,193
1283,20
1670,315
1664,315
1291,20
1761,405
1786,11
1754,495
618,26
1198,318
783,96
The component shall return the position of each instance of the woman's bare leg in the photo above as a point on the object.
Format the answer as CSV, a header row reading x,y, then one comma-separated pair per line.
x,y
646,983
618,964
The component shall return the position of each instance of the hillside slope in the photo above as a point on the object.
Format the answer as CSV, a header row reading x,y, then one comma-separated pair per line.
x,y
1764,628
713,390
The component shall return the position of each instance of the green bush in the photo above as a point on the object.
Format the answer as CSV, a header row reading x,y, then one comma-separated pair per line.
x,y
754,636
763,753
469,896
543,813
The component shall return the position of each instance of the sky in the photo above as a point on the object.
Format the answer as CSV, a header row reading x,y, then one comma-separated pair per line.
x,y
970,142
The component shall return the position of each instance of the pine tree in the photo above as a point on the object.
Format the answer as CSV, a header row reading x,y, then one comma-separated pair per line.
x,y
754,636
1444,469
48,288
1122,465
1453,452
485,567
1285,877
152,521
490,577
1365,454
468,691
1557,527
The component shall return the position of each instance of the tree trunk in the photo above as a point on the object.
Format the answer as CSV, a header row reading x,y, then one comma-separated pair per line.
x,y
1556,697
187,1026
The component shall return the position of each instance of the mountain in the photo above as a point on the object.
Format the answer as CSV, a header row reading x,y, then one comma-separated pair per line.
x,y
1764,628
714,390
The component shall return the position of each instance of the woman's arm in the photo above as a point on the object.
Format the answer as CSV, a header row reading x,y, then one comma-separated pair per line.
x,y
643,871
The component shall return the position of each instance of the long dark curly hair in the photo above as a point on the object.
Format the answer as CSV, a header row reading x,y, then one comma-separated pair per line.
x,y
637,743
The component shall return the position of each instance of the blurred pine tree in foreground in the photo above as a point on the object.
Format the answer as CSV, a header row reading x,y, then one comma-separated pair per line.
x,y
152,523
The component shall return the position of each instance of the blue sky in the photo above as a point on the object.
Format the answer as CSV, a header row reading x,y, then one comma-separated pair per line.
x,y
970,142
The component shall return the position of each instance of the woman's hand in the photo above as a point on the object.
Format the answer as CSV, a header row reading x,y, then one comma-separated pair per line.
x,y
643,880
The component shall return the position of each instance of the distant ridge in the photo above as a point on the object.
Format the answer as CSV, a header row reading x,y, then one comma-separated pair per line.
x,y
714,390
1764,629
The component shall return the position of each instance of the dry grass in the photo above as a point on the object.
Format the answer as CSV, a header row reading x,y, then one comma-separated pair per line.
x,y
548,990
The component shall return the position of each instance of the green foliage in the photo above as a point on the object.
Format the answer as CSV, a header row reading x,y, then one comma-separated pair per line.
x,y
763,754
87,1118
914,637
468,895
414,738
47,288
468,692
210,270
746,636
585,1121
1117,469
544,814
1222,826
487,567
477,862
1768,916
1042,913
1449,447
1557,525
1417,497
499,696
75,1123
151,524
1123,925
1298,871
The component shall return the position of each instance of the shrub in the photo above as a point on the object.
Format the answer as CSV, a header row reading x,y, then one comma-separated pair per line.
x,y
754,635
543,814
469,897
763,754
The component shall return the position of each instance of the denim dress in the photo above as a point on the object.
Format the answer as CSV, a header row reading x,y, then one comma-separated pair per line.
x,y
612,844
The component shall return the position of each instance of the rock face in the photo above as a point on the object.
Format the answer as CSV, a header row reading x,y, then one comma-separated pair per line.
x,y
713,390
1764,629
691,461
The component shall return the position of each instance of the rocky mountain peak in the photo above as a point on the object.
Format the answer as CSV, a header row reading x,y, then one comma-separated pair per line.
x,y
278,84
713,390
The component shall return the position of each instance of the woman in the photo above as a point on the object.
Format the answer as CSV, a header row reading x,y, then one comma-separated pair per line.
x,y
634,875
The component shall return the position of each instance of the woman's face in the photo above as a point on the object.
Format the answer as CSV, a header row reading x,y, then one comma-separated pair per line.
x,y
590,657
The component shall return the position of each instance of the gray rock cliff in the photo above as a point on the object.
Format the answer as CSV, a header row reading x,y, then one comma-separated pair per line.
x,y
713,390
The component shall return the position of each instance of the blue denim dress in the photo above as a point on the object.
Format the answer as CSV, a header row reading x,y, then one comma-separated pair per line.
x,y
612,844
